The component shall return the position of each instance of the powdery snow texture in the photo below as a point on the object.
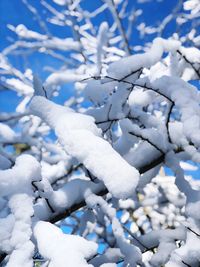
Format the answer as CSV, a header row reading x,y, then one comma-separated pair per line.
x,y
81,139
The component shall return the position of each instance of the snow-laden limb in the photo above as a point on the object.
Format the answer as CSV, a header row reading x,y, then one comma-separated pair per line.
x,y
132,63
19,86
19,178
22,249
192,195
112,5
64,44
97,92
22,31
188,254
190,61
60,249
61,2
16,189
102,40
132,254
7,135
165,241
81,139
186,100
188,107
111,255
63,77
192,5
65,198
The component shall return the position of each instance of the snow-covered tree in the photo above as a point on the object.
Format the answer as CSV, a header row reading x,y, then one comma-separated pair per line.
x,y
85,183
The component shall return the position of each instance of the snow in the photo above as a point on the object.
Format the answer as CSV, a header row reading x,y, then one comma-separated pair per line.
x,y
16,187
51,171
188,253
131,253
136,62
22,31
6,226
68,195
165,240
192,5
63,250
192,209
4,163
77,130
54,43
62,77
22,247
165,248
111,255
97,92
139,97
7,134
188,167
61,2
102,40
19,86
186,102
18,179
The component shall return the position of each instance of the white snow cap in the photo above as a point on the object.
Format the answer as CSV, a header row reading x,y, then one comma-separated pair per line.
x,y
63,250
61,2
145,60
22,248
19,178
81,139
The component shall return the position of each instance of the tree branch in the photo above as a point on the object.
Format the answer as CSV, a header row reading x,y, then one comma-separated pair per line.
x,y
66,213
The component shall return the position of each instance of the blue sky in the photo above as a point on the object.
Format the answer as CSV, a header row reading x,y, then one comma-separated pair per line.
x,y
15,12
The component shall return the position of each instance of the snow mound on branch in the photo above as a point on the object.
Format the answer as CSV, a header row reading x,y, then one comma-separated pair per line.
x,y
19,178
22,31
61,2
19,86
192,5
63,77
188,253
20,243
133,63
6,133
97,92
61,249
81,139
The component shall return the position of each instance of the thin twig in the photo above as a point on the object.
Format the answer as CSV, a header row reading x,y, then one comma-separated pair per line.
x,y
147,140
